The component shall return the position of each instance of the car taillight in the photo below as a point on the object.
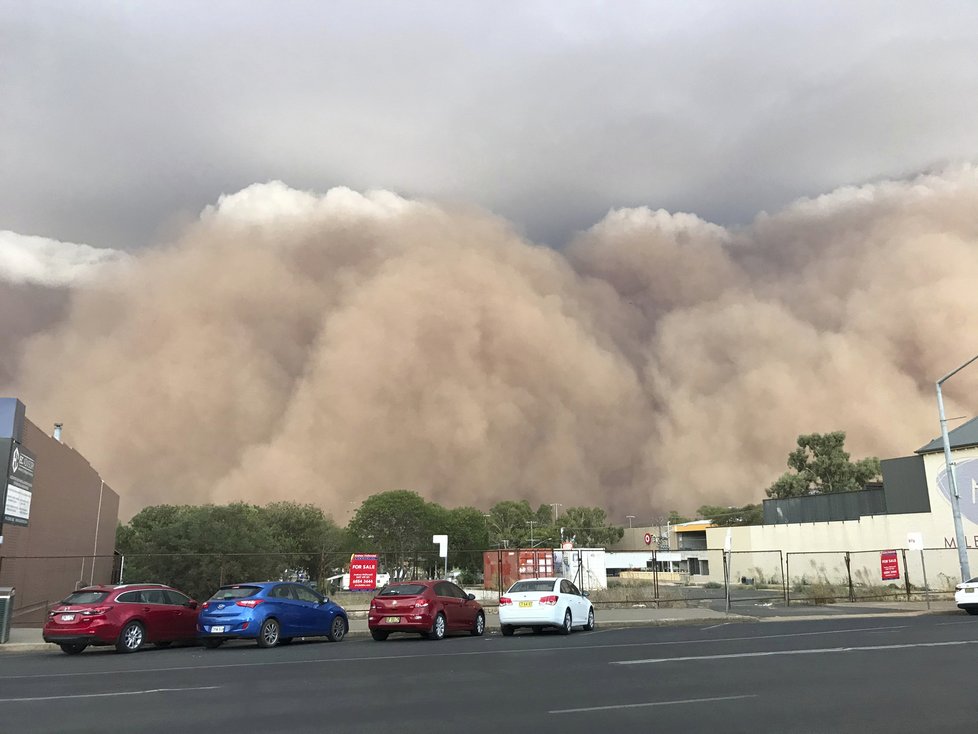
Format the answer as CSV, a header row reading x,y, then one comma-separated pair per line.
x,y
250,603
205,605
550,600
96,612
504,601
421,603
374,605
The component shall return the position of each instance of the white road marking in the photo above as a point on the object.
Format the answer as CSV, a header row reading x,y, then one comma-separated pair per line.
x,y
651,703
722,624
515,651
105,695
810,651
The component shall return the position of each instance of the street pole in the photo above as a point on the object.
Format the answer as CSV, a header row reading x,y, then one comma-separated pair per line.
x,y
555,505
629,518
952,479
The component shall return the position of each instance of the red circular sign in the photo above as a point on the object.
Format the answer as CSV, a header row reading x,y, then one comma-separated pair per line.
x,y
648,539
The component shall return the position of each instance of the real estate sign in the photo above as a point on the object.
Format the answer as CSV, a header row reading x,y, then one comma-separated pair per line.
x,y
363,572
889,565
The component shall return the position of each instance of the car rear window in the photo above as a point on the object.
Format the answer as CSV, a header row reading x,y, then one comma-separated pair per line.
x,y
236,592
532,586
85,597
403,590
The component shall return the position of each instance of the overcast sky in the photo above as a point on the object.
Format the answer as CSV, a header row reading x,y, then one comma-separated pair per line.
x,y
120,121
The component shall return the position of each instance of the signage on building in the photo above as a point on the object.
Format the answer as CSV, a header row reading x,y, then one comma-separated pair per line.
x,y
19,486
889,565
363,572
966,480
915,541
648,539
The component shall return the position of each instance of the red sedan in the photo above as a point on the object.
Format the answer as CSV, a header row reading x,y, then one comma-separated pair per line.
x,y
431,608
125,616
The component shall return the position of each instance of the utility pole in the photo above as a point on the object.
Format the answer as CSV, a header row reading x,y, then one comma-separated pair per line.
x,y
555,505
952,479
629,518
531,523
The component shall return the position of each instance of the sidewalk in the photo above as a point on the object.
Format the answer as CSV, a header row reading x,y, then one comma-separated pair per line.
x,y
28,639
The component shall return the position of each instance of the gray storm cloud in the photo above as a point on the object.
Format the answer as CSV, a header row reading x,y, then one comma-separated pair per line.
x,y
325,347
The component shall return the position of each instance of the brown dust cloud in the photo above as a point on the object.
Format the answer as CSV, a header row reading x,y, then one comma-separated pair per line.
x,y
324,347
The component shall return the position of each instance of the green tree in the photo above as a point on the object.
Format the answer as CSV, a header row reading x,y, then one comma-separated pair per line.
x,y
468,537
509,523
318,547
675,518
725,516
198,548
398,524
588,527
821,465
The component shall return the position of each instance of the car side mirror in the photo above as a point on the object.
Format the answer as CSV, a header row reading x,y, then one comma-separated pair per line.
x,y
191,604
471,597
325,600
586,594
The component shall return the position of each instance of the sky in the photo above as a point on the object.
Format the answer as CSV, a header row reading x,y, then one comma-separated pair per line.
x,y
640,229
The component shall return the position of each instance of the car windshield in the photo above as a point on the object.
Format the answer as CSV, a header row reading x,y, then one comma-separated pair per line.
x,y
85,597
236,592
403,590
535,585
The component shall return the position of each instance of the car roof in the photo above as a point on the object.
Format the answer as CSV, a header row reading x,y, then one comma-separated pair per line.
x,y
116,587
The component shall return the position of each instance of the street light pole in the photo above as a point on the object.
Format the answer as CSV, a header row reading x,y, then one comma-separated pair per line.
x,y
952,479
555,505
531,523
629,518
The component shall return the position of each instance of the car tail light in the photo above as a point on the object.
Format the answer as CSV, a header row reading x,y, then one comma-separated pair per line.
x,y
421,603
505,601
550,599
374,605
205,605
96,612
250,603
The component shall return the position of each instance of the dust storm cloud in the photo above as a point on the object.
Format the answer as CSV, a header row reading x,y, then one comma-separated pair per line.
x,y
325,347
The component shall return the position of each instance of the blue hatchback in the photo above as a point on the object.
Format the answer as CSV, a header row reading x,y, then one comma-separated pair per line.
x,y
271,612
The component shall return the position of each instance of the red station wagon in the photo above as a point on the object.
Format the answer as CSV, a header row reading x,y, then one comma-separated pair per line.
x,y
432,608
126,616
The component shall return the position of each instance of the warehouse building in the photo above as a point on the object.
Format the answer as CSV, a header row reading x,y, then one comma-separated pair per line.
x,y
59,518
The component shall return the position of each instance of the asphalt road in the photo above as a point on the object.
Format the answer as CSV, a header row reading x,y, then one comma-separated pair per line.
x,y
871,674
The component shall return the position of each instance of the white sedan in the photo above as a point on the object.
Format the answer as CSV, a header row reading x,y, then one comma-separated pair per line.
x,y
966,596
539,603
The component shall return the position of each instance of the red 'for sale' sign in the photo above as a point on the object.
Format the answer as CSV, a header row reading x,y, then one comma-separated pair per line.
x,y
889,565
363,572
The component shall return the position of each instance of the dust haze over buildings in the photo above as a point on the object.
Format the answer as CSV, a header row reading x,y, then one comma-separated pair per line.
x,y
322,347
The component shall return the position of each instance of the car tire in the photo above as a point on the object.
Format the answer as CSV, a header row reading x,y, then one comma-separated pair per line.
x,y
507,630
163,645
379,635
972,610
337,630
131,638
537,630
212,643
72,648
590,620
268,633
480,625
438,628
568,625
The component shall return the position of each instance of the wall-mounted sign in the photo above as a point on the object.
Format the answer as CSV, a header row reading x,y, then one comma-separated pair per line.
x,y
19,486
889,565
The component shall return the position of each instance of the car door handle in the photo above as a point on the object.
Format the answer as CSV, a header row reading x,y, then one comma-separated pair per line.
x,y
145,609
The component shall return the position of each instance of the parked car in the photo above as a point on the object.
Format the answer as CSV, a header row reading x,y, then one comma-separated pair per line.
x,y
966,595
127,616
540,603
270,612
431,608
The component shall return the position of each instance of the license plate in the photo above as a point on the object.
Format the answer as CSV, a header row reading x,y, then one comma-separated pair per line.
x,y
67,617
217,629
526,603
393,620
969,590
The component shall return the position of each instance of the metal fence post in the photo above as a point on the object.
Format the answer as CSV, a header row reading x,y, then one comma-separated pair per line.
x,y
787,586
784,576
906,571
923,570
852,593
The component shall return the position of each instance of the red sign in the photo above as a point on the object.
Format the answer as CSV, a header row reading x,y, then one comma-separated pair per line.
x,y
889,565
648,539
363,572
